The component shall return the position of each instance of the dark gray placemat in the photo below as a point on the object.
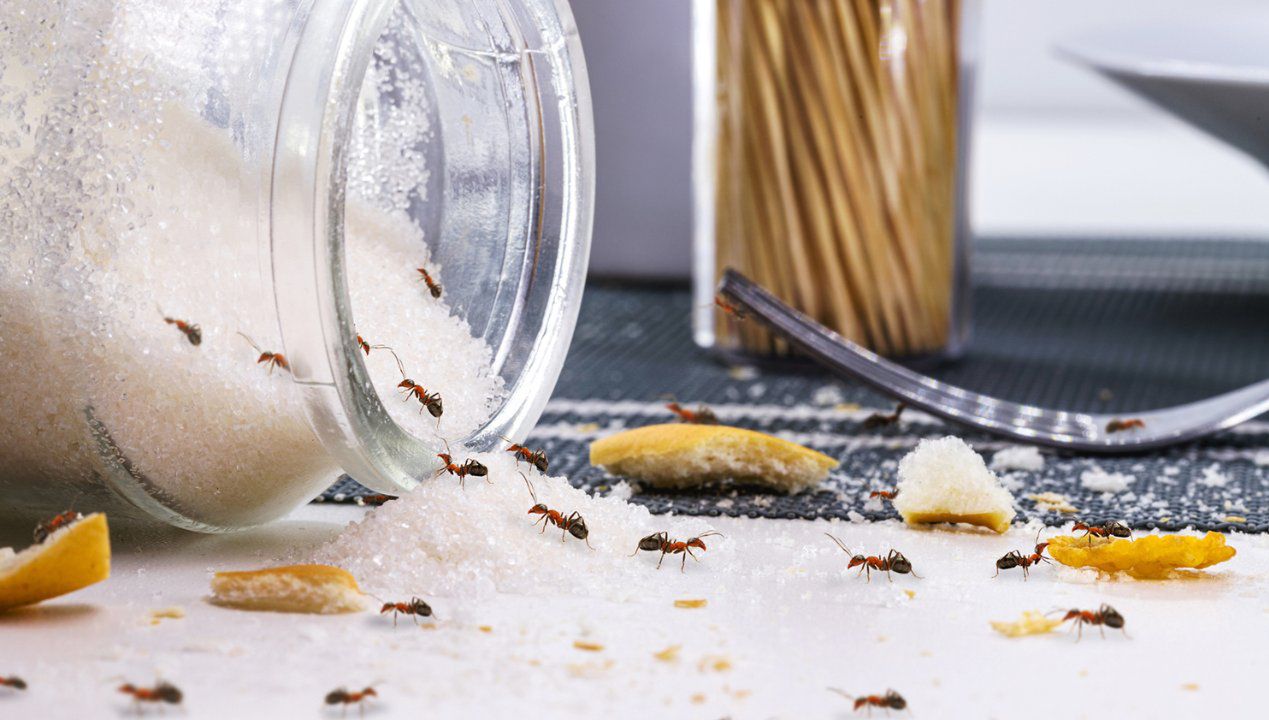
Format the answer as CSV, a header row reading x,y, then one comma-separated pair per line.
x,y
1111,326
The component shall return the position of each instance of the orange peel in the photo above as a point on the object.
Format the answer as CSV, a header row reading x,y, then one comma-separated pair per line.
x,y
1151,557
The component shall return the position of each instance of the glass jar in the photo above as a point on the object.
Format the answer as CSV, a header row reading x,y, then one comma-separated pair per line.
x,y
829,166
233,231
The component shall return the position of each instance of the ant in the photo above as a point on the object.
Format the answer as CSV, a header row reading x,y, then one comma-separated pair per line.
x,y
367,347
52,525
471,467
572,524
192,332
415,608
890,701
1118,425
1110,529
894,561
1015,559
432,286
164,692
880,420
270,359
888,495
700,416
1103,616
346,697
661,541
536,458
729,308
427,401
13,681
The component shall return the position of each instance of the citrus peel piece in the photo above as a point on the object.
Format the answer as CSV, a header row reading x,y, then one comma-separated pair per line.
x,y
1031,623
684,455
1151,557
312,589
72,558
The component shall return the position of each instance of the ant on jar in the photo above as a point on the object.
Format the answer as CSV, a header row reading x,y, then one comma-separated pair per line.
x,y
661,542
470,467
894,561
191,331
270,359
432,286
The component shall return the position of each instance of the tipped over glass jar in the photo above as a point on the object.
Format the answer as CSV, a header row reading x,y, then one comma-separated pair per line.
x,y
250,245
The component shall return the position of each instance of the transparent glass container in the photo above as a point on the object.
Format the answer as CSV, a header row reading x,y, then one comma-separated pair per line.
x,y
830,148
208,206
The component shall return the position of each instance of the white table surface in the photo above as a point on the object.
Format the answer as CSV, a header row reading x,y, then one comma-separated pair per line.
x,y
792,625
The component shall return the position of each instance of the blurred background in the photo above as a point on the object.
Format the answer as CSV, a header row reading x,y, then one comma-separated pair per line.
x,y
1057,150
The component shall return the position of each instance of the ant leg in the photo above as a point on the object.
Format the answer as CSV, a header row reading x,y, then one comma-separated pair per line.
x,y
660,559
683,565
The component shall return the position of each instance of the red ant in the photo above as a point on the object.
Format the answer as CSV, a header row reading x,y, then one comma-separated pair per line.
x,y
661,541
1110,529
1103,616
270,359
346,697
427,401
729,308
164,692
13,681
192,332
361,343
536,458
52,525
367,347
879,420
471,467
1015,559
572,524
415,608
700,416
890,701
432,286
889,495
1118,425
894,561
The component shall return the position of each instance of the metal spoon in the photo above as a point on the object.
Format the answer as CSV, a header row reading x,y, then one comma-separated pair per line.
x,y
1086,432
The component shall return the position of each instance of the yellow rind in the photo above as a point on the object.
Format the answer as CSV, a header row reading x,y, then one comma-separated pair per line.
x,y
1151,557
996,521
312,589
70,559
687,455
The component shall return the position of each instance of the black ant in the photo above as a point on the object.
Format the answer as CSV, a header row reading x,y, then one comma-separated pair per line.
x,y
890,701
471,467
416,608
164,692
661,542
192,332
572,524
271,359
53,524
13,681
1015,559
700,416
346,697
432,286
1106,530
879,420
1105,615
894,561
1118,425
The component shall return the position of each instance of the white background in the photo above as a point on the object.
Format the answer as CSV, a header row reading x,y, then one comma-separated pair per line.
x,y
1057,149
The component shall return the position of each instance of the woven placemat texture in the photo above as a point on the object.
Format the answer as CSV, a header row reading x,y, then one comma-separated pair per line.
x,y
1108,326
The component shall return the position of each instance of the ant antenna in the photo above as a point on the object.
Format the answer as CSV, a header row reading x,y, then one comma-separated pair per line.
x,y
841,545
248,339
840,691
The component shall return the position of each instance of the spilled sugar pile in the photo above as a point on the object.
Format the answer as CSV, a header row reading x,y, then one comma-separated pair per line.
x,y
444,540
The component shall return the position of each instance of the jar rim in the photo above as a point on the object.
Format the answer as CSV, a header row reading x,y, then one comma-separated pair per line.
x,y
306,229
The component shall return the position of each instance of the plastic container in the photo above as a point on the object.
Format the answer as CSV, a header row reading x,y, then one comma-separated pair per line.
x,y
275,172
829,166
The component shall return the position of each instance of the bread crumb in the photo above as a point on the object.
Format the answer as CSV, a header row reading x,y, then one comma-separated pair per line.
x,y
944,480
313,589
670,654
1190,686
587,646
690,603
698,698
485,628
174,612
911,594
1047,501
1234,519
1031,623
717,663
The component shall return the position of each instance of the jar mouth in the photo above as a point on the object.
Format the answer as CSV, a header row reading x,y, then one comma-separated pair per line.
x,y
514,249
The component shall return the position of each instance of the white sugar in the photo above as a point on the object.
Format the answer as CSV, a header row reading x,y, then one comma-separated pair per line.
x,y
1018,457
1098,480
1213,477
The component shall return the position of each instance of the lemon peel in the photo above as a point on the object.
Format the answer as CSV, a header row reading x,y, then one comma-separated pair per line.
x,y
70,559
